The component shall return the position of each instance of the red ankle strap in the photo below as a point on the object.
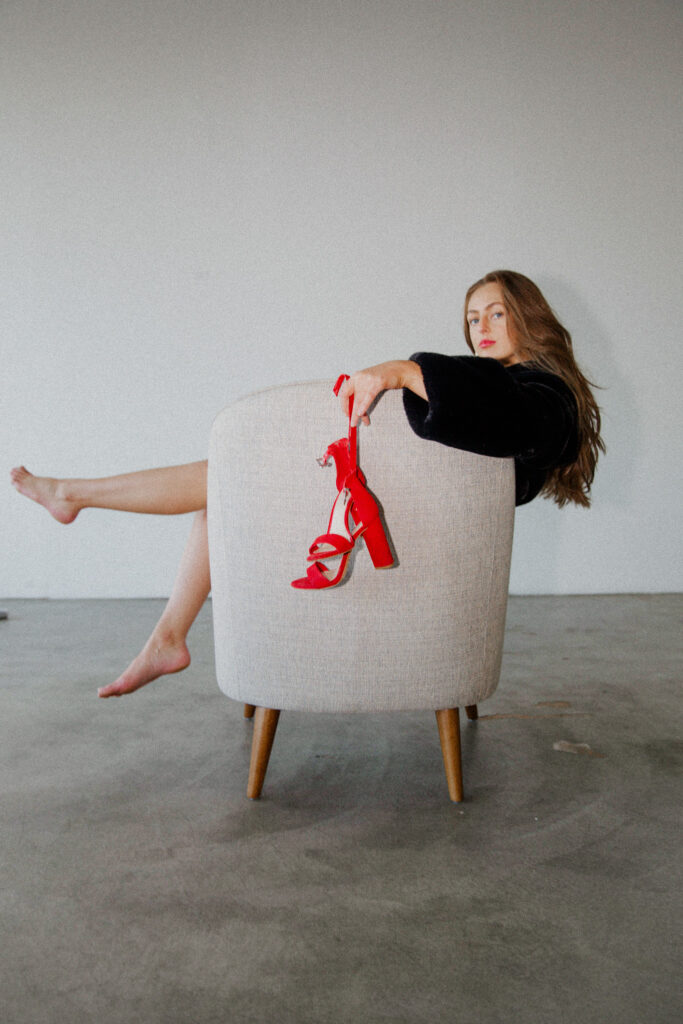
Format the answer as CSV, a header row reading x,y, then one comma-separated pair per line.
x,y
353,441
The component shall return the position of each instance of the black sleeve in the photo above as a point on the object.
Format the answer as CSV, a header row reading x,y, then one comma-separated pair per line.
x,y
483,407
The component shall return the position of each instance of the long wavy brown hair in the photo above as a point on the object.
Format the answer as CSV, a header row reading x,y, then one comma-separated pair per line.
x,y
542,341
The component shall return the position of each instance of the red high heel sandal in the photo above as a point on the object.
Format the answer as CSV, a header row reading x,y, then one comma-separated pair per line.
x,y
353,503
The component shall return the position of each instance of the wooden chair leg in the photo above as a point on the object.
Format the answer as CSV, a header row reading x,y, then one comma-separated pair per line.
x,y
265,724
249,710
448,721
472,712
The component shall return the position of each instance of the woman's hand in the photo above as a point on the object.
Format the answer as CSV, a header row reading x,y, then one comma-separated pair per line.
x,y
366,385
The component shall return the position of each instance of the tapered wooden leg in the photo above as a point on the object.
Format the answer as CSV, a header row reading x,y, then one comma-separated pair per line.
x,y
265,724
249,710
472,712
448,721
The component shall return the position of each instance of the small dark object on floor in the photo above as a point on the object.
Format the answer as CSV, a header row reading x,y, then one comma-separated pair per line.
x,y
3,615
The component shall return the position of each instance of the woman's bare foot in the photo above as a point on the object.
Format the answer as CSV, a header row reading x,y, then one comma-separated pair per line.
x,y
47,491
159,657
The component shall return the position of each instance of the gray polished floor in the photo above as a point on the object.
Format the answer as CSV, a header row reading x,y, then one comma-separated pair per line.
x,y
140,885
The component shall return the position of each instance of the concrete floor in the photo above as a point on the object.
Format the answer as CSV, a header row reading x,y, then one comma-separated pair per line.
x,y
140,885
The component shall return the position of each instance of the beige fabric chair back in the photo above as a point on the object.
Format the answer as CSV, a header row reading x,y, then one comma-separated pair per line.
x,y
426,633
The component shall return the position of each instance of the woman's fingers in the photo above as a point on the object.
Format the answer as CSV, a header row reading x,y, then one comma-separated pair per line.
x,y
366,385
363,387
361,401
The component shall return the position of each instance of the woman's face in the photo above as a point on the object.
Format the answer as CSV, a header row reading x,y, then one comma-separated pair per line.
x,y
490,329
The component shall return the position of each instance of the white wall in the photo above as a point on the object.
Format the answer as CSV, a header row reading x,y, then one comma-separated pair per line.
x,y
202,198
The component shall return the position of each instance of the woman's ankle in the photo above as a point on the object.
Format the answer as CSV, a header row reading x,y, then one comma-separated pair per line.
x,y
68,491
166,635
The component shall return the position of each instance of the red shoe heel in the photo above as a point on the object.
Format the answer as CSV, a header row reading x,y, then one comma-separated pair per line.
x,y
377,544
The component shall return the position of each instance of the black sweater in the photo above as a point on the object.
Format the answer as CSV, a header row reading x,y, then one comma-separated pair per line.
x,y
481,406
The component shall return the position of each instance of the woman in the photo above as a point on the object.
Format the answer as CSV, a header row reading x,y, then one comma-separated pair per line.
x,y
522,396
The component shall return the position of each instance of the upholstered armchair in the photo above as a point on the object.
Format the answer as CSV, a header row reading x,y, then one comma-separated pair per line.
x,y
424,634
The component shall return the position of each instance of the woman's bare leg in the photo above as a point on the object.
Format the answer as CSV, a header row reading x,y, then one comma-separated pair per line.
x,y
167,491
166,650
171,490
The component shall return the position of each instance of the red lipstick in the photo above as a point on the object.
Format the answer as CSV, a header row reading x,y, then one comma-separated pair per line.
x,y
486,343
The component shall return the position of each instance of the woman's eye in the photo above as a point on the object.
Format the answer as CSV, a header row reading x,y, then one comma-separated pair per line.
x,y
498,313
473,320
